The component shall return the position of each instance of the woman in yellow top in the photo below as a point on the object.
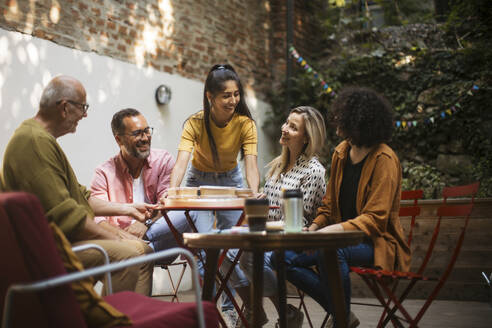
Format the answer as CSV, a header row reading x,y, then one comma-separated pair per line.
x,y
215,136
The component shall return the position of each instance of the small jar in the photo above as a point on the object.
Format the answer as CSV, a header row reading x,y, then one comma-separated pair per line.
x,y
292,208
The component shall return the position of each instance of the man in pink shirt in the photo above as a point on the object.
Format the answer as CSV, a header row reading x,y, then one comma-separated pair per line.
x,y
137,174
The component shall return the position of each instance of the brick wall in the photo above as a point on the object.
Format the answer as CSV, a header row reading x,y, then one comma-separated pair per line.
x,y
183,37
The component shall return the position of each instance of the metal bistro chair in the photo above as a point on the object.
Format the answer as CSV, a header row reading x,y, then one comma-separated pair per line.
x,y
166,265
411,211
381,282
35,282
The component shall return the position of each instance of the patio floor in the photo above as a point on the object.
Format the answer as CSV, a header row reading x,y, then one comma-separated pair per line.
x,y
450,314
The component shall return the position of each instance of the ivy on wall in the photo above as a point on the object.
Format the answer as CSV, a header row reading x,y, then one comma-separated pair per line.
x,y
420,80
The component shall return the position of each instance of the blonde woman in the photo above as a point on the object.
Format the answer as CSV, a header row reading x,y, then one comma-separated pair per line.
x,y
297,167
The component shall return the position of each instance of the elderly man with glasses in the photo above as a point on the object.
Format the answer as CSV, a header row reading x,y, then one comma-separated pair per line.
x,y
34,162
137,174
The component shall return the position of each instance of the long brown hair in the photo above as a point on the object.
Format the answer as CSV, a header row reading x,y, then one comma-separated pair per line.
x,y
216,78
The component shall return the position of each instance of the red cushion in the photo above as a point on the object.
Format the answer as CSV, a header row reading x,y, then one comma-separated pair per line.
x,y
33,253
152,313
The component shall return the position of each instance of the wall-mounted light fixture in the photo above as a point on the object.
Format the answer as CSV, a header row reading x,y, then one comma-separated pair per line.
x,y
163,95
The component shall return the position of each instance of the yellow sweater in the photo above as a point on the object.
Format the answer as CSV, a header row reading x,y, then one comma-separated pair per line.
x,y
239,133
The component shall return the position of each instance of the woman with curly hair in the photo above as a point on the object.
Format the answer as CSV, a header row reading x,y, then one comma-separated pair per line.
x,y
363,193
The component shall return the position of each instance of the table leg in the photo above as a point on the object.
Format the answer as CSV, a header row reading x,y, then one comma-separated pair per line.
x,y
190,221
212,256
282,301
177,235
257,288
335,284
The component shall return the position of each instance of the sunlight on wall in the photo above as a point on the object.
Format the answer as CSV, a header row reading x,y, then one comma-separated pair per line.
x,y
55,12
167,13
87,63
13,12
154,30
2,81
33,54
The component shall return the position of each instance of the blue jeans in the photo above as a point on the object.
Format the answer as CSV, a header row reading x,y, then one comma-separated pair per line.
x,y
300,273
204,220
269,276
159,234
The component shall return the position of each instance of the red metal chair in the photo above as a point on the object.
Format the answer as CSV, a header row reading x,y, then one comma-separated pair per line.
x,y
410,211
405,211
381,282
33,272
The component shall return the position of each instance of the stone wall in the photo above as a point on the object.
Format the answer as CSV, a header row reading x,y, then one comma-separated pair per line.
x,y
184,37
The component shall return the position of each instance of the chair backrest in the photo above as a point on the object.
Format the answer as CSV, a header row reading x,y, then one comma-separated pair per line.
x,y
414,195
412,211
28,253
447,210
461,191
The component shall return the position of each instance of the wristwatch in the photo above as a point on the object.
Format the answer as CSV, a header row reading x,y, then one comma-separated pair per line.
x,y
148,222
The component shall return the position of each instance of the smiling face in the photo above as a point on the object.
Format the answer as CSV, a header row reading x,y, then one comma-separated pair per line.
x,y
224,103
294,132
137,146
73,109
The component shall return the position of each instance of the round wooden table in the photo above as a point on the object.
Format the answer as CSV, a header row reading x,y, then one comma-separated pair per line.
x,y
258,243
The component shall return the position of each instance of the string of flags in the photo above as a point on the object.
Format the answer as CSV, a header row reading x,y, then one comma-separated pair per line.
x,y
302,62
400,123
441,115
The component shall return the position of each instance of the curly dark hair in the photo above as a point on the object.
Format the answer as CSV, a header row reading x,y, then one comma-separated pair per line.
x,y
363,116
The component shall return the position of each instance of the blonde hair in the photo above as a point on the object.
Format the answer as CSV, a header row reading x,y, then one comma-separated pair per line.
x,y
315,133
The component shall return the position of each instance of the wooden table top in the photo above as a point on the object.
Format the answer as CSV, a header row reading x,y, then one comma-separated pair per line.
x,y
271,241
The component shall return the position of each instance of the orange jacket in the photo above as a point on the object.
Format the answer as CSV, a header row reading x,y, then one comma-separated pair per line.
x,y
378,204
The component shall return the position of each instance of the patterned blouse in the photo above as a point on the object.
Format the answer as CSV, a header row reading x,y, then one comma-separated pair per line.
x,y
307,175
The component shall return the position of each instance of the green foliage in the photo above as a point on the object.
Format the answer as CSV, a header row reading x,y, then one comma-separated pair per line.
x,y
420,82
422,176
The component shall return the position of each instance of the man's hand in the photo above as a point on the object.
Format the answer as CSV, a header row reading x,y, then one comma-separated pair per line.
x,y
141,211
137,229
163,197
126,235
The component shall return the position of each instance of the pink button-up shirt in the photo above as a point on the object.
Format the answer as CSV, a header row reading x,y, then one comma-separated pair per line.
x,y
113,182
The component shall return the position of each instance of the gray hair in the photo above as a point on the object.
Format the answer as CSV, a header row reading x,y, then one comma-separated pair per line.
x,y
60,87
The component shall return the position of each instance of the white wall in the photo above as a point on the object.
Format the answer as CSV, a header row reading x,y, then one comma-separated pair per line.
x,y
27,64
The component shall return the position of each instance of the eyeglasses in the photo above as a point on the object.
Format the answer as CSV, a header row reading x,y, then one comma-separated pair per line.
x,y
83,107
139,133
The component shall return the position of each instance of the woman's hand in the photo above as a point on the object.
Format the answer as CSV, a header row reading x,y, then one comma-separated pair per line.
x,y
332,228
312,227
259,195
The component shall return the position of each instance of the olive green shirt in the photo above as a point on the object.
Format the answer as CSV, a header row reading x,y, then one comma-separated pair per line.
x,y
34,162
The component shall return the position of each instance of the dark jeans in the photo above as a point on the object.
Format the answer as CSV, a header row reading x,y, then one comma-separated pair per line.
x,y
299,272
